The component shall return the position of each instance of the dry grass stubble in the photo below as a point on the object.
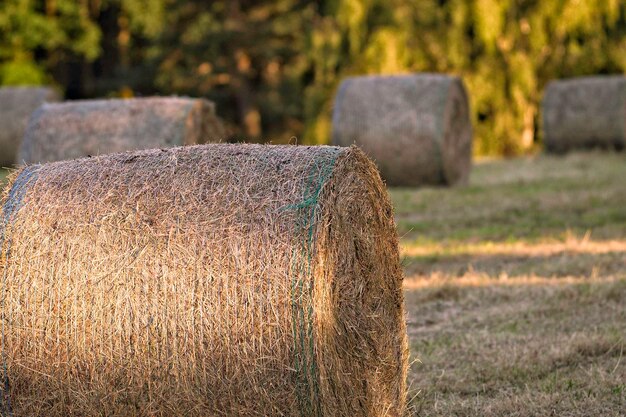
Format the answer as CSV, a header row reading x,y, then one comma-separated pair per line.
x,y
511,318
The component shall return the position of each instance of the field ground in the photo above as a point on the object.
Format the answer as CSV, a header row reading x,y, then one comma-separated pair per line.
x,y
516,289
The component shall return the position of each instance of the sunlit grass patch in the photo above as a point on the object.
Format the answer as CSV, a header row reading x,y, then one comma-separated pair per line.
x,y
552,259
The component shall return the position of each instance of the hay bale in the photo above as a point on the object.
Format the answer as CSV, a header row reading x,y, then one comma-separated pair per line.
x,y
16,106
585,112
416,127
207,280
76,129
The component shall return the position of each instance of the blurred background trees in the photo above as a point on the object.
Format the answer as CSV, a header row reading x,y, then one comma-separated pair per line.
x,y
272,66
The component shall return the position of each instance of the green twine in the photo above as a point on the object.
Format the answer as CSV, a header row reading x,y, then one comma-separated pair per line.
x,y
302,286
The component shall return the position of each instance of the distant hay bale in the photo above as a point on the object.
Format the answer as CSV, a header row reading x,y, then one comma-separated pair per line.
x,y
234,280
416,127
585,112
80,128
16,106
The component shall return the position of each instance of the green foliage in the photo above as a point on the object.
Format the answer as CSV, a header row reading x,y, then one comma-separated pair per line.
x,y
273,66
21,73
505,50
33,32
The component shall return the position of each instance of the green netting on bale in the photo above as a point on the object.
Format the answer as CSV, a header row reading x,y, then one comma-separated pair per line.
x,y
302,284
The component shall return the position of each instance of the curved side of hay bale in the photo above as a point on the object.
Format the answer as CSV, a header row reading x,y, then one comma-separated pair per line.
x,y
16,106
585,112
416,127
82,128
204,280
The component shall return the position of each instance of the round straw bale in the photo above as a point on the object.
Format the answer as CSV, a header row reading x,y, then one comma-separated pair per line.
x,y
416,127
16,106
81,128
585,112
209,280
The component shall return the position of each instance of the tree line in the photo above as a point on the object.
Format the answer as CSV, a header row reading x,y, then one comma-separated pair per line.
x,y
273,66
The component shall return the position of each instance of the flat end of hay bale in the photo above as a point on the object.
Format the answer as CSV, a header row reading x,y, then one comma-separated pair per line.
x,y
416,127
355,203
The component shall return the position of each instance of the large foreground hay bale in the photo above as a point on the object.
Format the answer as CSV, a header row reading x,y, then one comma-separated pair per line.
x,y
16,106
416,127
80,128
585,112
235,280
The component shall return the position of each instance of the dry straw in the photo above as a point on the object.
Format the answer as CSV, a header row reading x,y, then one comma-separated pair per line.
x,y
585,112
416,127
16,106
211,280
81,128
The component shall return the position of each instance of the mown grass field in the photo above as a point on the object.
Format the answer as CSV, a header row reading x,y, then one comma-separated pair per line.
x,y
516,289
